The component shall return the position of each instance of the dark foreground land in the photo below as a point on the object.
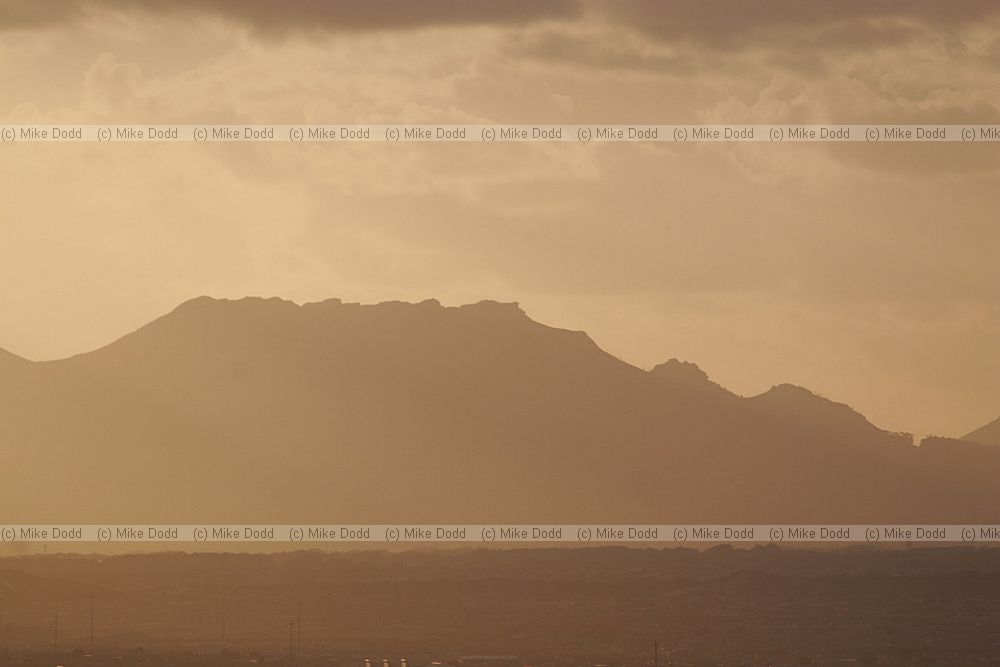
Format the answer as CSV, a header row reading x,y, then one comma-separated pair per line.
x,y
723,606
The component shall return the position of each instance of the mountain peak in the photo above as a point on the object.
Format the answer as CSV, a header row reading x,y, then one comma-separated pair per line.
x,y
787,390
687,377
255,330
680,372
207,303
796,397
805,407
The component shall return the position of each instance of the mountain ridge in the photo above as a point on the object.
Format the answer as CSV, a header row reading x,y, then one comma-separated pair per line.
x,y
266,411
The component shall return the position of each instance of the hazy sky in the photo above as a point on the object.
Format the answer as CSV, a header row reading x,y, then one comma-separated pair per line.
x,y
867,273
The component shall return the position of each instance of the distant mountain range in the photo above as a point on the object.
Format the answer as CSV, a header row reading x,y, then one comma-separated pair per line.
x,y
264,411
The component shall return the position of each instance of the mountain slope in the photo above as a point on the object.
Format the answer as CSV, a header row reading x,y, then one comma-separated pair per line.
x,y
9,362
988,435
265,411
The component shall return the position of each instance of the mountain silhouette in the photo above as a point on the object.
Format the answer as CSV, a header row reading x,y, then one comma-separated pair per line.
x,y
265,411
10,362
687,376
987,435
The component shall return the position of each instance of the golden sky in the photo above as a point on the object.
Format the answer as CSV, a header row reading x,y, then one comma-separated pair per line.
x,y
867,273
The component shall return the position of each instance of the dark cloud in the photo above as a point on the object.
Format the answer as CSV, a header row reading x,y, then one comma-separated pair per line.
x,y
564,47
15,14
687,36
279,15
718,21
734,22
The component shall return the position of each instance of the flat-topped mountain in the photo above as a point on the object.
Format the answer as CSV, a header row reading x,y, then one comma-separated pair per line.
x,y
264,411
